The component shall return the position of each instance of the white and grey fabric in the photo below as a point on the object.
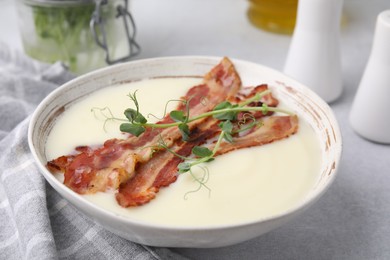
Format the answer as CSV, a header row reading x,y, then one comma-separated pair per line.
x,y
35,221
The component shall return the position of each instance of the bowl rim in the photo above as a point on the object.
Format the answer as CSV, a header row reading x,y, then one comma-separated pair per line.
x,y
308,200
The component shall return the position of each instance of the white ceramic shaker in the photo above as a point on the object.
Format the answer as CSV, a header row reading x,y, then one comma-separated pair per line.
x,y
370,112
314,54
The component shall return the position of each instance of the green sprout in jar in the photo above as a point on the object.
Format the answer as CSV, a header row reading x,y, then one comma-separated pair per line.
x,y
61,32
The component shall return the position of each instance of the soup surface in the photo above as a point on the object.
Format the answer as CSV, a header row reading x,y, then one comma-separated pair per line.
x,y
242,186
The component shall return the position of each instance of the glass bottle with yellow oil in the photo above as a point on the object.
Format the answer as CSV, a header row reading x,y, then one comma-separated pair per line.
x,y
276,16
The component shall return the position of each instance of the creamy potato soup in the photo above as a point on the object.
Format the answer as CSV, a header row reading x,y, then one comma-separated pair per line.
x,y
242,186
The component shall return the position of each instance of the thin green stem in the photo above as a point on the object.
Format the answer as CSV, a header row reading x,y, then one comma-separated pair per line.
x,y
220,138
221,111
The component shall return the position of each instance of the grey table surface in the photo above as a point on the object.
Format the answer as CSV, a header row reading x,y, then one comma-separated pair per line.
x,y
352,220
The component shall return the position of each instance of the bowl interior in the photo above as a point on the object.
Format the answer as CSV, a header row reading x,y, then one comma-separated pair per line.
x,y
307,104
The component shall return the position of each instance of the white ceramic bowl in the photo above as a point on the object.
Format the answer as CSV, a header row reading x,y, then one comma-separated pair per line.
x,y
297,96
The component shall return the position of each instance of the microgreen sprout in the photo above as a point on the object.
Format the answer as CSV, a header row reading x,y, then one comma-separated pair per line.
x,y
225,112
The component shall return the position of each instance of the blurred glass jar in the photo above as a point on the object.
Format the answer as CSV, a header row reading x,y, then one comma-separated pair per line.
x,y
276,16
83,34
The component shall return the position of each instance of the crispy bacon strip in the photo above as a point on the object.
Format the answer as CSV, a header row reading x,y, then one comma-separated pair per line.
x,y
249,92
161,170
274,128
92,170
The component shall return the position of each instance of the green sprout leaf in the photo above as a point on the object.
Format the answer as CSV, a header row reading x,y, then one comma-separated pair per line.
x,y
228,137
223,105
185,131
227,128
178,116
136,130
134,116
184,167
229,115
131,114
201,151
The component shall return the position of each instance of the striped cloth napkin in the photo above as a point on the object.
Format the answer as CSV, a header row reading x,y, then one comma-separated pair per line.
x,y
35,221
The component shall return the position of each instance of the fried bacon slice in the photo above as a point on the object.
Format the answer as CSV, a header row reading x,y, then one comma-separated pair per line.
x,y
91,170
273,128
